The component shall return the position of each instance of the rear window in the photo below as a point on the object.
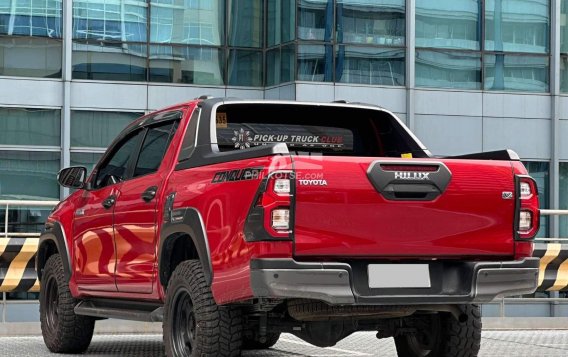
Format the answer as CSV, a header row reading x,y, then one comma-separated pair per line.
x,y
309,128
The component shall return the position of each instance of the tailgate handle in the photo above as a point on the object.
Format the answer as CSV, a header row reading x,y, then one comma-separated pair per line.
x,y
409,180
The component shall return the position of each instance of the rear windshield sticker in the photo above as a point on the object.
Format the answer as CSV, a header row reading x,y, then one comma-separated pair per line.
x,y
295,137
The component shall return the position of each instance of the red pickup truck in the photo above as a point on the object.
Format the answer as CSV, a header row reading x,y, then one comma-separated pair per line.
x,y
233,221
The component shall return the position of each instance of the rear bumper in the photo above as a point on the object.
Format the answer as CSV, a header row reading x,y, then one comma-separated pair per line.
x,y
347,283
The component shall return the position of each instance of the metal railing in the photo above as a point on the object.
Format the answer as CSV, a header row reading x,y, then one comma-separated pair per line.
x,y
553,212
21,203
6,235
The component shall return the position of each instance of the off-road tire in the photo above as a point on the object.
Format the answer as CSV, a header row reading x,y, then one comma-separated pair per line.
x,y
454,338
193,319
255,344
63,331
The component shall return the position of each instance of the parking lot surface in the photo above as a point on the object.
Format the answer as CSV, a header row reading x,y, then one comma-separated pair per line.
x,y
494,343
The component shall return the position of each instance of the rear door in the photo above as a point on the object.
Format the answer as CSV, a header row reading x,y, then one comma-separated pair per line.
x,y
135,212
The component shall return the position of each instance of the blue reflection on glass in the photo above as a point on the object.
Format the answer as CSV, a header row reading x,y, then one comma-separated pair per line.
x,y
516,73
517,25
31,18
371,22
451,24
448,69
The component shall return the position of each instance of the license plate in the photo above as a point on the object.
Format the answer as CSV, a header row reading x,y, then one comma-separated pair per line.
x,y
399,276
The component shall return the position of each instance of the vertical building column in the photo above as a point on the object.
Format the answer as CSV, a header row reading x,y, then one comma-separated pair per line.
x,y
410,61
555,115
66,77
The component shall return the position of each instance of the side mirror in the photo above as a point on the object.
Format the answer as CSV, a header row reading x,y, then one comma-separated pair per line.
x,y
72,177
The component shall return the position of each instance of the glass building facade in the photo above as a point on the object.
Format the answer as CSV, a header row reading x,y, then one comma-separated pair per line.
x,y
465,75
479,46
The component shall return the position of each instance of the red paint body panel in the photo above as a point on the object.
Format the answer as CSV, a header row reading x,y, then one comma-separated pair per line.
x,y
349,218
224,209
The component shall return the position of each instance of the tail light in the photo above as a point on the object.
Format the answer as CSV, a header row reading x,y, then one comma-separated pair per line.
x,y
527,212
270,216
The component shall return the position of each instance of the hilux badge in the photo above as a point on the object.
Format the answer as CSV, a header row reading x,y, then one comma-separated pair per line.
x,y
411,175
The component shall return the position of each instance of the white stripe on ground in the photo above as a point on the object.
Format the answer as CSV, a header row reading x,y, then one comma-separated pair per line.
x,y
349,353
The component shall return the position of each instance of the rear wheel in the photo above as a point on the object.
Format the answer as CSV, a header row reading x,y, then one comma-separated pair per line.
x,y
62,330
441,335
194,325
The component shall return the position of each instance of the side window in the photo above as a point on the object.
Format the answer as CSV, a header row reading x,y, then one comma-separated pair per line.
x,y
115,166
154,148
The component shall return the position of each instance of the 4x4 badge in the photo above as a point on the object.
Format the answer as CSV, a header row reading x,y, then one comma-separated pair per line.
x,y
507,195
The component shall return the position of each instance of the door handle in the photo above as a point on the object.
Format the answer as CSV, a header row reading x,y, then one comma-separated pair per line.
x,y
109,202
150,193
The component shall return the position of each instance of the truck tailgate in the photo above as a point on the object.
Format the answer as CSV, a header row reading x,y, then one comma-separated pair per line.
x,y
339,210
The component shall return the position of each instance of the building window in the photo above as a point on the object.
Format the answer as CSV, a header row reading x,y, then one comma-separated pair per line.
x,y
30,38
187,22
245,68
451,25
29,175
315,63
520,27
512,56
449,69
109,61
180,41
31,18
246,23
315,20
29,160
30,127
370,65
351,41
91,129
516,73
182,64
371,22
517,26
280,22
30,57
123,21
280,65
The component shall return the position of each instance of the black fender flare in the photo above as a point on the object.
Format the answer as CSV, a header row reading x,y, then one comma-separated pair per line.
x,y
53,234
186,221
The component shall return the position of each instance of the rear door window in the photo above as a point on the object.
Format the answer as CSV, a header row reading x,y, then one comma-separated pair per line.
x,y
154,148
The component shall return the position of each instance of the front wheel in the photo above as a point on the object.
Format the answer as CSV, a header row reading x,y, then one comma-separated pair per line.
x,y
441,335
62,330
194,325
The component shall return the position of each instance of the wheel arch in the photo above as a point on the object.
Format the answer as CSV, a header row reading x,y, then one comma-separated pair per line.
x,y
183,237
53,241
